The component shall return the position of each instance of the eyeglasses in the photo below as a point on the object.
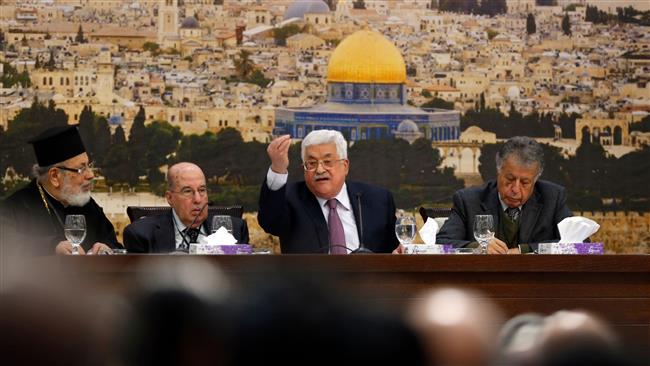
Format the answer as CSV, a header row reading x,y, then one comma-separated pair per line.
x,y
188,192
88,167
311,165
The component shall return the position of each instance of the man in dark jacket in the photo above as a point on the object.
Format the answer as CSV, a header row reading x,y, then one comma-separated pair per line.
x,y
187,222
35,215
525,210
321,214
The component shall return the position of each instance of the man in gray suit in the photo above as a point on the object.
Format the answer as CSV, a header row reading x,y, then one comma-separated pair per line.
x,y
525,210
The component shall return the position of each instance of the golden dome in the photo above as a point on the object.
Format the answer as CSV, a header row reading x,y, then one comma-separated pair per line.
x,y
366,57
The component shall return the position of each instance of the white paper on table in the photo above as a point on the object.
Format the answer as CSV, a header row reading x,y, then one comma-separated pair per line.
x,y
428,231
221,237
576,229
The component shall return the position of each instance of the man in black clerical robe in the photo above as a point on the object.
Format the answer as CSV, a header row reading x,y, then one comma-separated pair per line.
x,y
33,217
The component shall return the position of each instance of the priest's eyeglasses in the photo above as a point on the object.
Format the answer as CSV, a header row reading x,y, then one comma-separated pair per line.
x,y
311,165
85,168
188,192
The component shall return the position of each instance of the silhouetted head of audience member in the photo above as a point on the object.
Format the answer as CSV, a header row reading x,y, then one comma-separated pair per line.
x,y
518,340
178,316
575,338
457,327
50,316
174,327
297,318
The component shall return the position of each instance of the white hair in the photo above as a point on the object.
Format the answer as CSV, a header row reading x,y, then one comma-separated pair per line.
x,y
322,137
40,172
526,150
69,193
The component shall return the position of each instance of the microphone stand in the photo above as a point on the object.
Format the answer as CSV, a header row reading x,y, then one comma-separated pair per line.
x,y
362,248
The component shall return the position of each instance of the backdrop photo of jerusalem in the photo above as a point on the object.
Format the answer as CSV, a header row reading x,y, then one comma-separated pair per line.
x,y
425,91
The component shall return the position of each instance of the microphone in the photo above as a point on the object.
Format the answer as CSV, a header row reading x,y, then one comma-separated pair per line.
x,y
362,248
185,243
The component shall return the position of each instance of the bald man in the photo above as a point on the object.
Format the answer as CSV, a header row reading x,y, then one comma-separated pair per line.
x,y
456,326
187,222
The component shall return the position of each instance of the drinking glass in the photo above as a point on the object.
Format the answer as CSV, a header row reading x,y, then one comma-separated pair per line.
x,y
221,221
405,228
75,231
483,230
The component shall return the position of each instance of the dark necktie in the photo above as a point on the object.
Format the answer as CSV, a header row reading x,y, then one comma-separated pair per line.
x,y
192,234
337,235
513,214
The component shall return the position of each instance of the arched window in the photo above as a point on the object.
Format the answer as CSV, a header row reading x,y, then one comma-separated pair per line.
x,y
618,135
595,135
586,135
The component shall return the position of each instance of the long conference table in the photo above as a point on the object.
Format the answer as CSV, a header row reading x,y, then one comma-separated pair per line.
x,y
615,287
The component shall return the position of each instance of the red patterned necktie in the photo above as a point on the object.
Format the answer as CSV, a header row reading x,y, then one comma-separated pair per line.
x,y
337,235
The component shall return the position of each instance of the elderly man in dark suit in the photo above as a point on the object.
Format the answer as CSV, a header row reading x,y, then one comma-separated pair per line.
x,y
525,210
34,216
187,222
321,214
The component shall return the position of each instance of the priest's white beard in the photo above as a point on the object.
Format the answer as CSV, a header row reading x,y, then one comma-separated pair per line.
x,y
75,195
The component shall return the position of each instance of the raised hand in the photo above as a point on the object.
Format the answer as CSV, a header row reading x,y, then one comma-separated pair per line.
x,y
278,151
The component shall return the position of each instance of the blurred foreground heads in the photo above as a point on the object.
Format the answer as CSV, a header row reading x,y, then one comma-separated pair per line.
x,y
300,318
564,338
49,316
575,338
178,315
457,327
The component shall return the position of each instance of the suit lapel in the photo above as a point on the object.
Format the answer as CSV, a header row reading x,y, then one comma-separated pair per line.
x,y
164,236
352,194
315,213
529,216
491,206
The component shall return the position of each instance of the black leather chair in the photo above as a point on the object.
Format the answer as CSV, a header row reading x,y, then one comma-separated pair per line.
x,y
137,212
434,212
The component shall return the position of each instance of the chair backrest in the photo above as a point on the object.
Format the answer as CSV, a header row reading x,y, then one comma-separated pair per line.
x,y
438,214
138,212
434,212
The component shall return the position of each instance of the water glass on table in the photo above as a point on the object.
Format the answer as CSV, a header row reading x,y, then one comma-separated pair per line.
x,y
405,229
75,231
483,230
